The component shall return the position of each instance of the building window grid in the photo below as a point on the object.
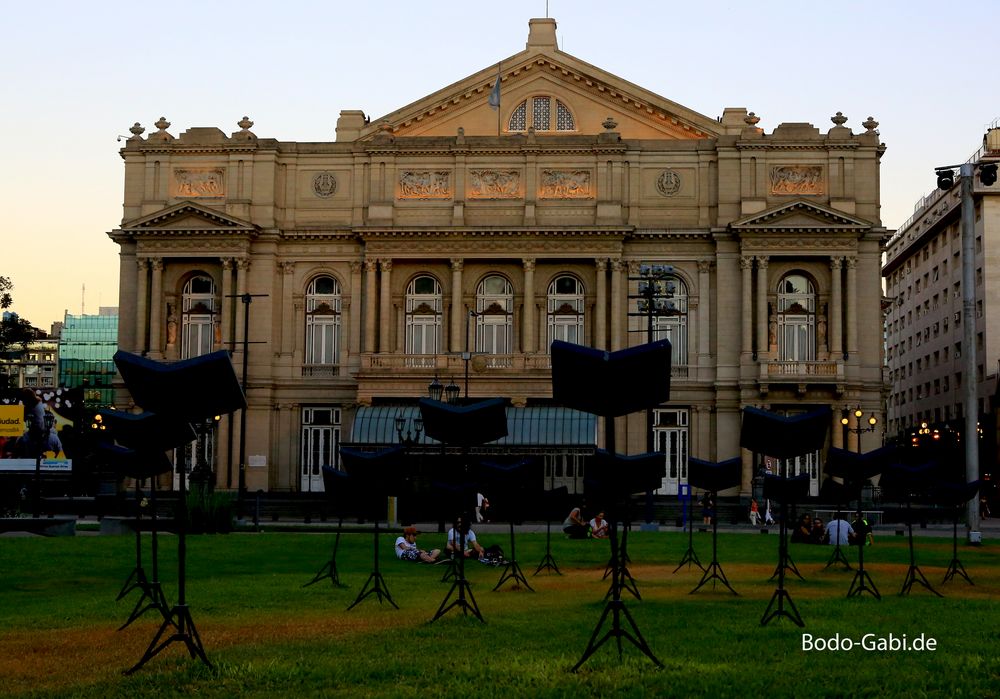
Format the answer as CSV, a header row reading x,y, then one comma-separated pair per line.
x,y
565,310
423,316
323,307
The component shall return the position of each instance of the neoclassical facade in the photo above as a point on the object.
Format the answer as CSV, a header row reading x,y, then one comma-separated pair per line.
x,y
453,237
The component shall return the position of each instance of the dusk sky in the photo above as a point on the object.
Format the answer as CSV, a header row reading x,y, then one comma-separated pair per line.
x,y
76,75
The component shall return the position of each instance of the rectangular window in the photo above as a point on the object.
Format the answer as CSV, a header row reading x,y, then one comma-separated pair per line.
x,y
320,445
670,437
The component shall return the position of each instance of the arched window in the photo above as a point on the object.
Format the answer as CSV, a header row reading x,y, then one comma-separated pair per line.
x,y
198,315
423,316
668,313
541,109
323,321
494,315
796,321
565,310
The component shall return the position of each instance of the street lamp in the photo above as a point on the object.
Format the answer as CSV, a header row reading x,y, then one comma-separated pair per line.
x,y
861,578
653,300
945,181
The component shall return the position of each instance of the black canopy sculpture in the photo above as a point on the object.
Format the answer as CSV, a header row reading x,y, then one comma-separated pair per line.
x,y
129,463
784,437
904,484
837,495
189,391
784,491
714,477
140,453
339,497
376,475
511,484
463,426
856,470
690,557
611,384
553,504
610,483
955,496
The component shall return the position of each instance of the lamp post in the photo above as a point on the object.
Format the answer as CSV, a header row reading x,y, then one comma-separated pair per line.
x,y
861,578
945,181
43,442
653,300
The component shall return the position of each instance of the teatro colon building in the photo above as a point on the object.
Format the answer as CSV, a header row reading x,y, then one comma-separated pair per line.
x,y
454,239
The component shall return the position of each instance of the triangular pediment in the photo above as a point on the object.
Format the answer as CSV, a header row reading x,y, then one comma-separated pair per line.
x,y
799,216
590,94
189,217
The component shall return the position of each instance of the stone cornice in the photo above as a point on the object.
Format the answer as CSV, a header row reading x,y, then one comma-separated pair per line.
x,y
588,232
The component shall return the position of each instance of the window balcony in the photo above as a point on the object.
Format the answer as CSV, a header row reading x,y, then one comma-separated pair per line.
x,y
320,370
828,372
374,364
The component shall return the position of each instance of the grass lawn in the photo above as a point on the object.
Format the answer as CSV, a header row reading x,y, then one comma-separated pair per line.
x,y
268,636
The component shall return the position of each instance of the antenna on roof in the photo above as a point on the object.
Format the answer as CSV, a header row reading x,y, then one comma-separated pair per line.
x,y
83,300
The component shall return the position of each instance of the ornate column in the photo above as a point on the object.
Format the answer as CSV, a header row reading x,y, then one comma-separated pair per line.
x,y
762,345
617,273
600,340
156,309
834,335
746,268
385,306
704,309
354,343
455,340
528,319
852,306
287,309
227,303
142,267
370,298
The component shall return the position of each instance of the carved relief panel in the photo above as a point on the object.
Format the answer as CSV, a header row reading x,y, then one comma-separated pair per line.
x,y
662,184
566,184
494,184
797,179
424,184
199,182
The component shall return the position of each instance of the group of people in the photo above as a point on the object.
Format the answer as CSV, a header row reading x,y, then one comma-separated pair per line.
x,y
576,526
811,530
406,547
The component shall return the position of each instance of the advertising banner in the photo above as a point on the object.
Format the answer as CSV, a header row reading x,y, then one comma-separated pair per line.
x,y
65,407
11,421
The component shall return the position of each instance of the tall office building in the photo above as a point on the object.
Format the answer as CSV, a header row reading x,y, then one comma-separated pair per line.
x,y
87,345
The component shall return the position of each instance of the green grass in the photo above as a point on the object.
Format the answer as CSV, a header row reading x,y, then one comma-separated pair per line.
x,y
268,636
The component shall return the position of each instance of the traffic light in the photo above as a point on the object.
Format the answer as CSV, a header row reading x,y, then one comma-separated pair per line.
x,y
987,174
945,179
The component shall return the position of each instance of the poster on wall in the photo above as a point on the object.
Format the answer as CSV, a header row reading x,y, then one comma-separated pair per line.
x,y
15,455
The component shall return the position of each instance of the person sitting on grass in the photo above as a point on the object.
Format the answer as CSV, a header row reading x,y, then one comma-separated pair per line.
x,y
802,531
407,549
472,546
575,525
818,531
599,526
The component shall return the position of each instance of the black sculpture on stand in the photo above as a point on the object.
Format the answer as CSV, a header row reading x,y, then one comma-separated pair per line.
x,y
955,496
611,482
714,477
189,391
612,384
552,504
129,463
784,491
339,495
784,437
904,483
376,476
857,470
510,483
835,494
463,426
690,557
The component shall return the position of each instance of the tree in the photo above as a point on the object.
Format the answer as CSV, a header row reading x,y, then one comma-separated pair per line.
x,y
15,332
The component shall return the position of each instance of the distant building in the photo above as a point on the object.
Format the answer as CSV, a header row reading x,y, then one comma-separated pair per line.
x,y
924,334
34,366
87,346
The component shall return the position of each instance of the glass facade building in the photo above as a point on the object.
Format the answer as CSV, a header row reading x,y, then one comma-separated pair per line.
x,y
86,356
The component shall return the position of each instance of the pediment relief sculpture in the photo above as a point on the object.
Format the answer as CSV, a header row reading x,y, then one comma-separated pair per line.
x,y
566,184
494,184
199,182
798,180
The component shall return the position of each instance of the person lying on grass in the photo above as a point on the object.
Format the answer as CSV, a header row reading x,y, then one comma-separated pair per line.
x,y
407,549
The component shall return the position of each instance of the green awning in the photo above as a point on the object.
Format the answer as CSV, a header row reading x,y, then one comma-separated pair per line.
x,y
537,426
